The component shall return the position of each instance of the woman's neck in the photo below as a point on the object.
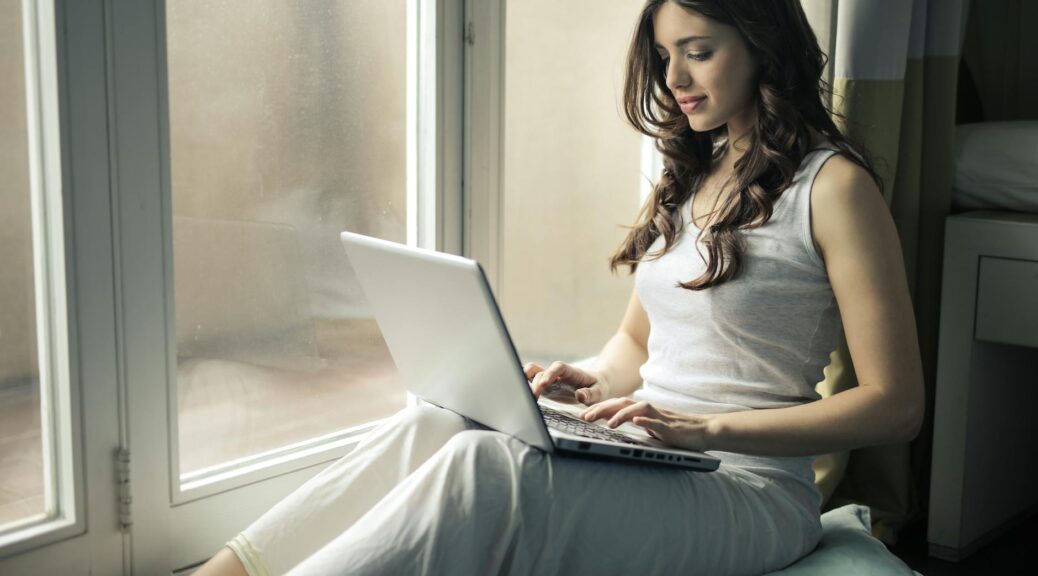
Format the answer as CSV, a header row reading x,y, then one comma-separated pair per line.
x,y
733,152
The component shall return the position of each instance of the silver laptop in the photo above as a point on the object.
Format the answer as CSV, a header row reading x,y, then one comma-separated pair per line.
x,y
449,341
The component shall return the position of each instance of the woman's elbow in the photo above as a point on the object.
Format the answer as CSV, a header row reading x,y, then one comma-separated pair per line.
x,y
913,424
911,414
899,415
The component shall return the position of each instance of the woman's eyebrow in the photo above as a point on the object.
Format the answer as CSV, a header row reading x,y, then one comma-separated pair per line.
x,y
683,41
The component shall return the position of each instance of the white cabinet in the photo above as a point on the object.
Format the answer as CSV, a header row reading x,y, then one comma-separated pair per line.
x,y
985,444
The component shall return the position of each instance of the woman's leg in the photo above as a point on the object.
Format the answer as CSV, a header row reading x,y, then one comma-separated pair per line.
x,y
332,501
489,504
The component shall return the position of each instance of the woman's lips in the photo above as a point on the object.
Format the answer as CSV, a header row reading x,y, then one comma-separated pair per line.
x,y
688,107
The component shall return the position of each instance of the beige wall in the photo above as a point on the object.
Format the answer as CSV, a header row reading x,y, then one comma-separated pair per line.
x,y
571,174
17,308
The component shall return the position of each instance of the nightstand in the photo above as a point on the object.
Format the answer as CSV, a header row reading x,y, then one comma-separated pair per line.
x,y
985,441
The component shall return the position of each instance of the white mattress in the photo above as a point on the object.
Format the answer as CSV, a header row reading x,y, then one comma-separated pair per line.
x,y
996,166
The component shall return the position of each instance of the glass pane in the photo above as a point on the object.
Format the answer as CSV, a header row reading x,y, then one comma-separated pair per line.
x,y
287,126
572,175
21,455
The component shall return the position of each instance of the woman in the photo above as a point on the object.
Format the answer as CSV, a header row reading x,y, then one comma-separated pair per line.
x,y
766,231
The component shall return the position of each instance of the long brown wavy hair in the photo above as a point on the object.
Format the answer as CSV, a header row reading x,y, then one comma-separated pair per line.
x,y
790,98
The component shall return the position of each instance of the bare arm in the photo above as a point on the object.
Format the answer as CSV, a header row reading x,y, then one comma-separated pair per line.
x,y
620,360
616,368
858,240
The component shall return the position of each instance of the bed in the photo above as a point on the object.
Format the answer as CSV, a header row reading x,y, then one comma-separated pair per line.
x,y
996,167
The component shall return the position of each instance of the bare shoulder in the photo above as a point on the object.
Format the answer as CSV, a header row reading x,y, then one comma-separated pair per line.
x,y
842,179
859,243
846,202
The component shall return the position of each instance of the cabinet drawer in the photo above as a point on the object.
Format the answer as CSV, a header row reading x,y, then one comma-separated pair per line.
x,y
1007,301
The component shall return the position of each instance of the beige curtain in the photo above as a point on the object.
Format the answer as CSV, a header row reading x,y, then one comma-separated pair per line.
x,y
894,67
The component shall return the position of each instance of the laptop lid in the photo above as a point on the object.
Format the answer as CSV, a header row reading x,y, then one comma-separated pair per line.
x,y
419,296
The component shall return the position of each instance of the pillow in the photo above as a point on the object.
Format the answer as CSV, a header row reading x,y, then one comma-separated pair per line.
x,y
996,166
847,548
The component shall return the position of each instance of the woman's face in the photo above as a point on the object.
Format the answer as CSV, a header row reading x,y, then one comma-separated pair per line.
x,y
710,70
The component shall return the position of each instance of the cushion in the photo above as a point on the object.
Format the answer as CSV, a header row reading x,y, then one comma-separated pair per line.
x,y
996,166
847,548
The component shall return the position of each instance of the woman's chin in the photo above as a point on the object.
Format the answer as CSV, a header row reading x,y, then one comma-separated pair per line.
x,y
698,125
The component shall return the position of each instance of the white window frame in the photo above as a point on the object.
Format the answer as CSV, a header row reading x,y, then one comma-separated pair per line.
x,y
438,101
142,221
71,180
112,93
63,503
484,115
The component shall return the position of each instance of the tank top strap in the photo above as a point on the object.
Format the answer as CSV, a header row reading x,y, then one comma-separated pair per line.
x,y
799,201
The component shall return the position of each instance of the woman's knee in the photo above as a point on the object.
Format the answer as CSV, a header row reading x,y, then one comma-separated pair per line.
x,y
482,443
430,418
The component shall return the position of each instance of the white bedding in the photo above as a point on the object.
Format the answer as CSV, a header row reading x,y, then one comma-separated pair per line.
x,y
996,166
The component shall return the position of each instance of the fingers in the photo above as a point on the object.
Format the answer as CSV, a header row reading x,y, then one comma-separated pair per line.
x,y
541,380
557,372
656,428
545,377
606,409
636,409
591,395
531,369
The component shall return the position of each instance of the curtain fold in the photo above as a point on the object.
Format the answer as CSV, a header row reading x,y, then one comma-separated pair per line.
x,y
894,68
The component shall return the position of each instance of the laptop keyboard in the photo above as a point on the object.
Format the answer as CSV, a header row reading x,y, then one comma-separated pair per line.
x,y
567,423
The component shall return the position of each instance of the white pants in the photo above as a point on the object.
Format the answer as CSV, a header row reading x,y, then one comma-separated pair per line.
x,y
430,492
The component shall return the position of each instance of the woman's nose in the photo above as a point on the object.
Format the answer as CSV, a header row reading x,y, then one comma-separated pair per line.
x,y
676,76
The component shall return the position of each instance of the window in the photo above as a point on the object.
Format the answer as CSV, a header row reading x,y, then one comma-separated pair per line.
x,y
21,443
37,479
287,125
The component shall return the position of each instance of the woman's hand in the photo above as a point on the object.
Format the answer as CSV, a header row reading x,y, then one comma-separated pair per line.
x,y
674,428
585,385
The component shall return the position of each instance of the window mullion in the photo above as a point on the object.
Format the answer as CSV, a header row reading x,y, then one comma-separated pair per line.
x,y
436,98
484,121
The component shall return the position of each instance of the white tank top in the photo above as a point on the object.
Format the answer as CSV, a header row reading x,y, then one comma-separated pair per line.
x,y
760,340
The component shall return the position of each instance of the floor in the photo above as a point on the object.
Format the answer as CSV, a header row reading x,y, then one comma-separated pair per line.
x,y
1010,554
21,466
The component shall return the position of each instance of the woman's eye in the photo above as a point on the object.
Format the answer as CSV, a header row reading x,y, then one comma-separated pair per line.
x,y
699,56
